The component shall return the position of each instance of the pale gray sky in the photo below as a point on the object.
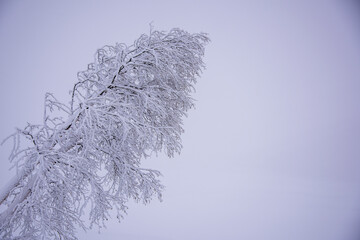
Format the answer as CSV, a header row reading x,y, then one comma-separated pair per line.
x,y
272,150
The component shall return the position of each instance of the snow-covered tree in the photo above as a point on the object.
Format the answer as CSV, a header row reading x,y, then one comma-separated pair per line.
x,y
128,104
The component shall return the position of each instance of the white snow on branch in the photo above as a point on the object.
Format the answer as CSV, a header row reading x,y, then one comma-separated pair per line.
x,y
128,103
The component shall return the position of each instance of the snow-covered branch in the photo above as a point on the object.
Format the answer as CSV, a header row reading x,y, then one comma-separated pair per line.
x,y
128,103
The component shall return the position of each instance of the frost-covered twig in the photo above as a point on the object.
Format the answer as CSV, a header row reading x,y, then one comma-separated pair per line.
x,y
129,102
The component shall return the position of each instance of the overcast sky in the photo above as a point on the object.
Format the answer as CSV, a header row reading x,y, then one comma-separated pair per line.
x,y
272,150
